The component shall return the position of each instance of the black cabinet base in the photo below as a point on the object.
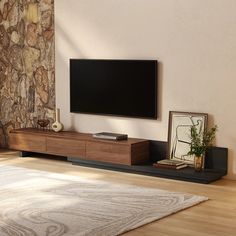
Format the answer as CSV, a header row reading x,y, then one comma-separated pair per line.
x,y
186,174
25,154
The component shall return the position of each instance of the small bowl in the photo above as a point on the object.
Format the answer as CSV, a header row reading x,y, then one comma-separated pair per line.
x,y
43,123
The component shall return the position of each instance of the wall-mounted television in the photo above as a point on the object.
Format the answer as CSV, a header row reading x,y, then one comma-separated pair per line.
x,y
114,87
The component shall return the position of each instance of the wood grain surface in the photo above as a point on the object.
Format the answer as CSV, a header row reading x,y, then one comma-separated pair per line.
x,y
79,145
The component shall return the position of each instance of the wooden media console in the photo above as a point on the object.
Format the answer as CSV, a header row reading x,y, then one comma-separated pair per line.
x,y
132,155
80,146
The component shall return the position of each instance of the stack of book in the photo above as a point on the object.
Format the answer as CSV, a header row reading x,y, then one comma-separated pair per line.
x,y
170,164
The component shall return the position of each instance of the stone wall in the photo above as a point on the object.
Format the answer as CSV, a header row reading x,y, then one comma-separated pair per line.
x,y
27,83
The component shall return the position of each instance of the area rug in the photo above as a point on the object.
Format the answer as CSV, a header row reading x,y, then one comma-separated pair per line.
x,y
38,203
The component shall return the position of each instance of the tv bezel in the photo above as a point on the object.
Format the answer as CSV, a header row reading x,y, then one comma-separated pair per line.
x,y
118,115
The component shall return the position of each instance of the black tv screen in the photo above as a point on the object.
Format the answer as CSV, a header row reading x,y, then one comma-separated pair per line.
x,y
114,87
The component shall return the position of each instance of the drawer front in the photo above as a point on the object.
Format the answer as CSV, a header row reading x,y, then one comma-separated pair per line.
x,y
140,153
66,147
113,153
27,142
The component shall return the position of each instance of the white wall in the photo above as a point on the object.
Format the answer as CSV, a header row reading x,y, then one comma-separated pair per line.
x,y
194,40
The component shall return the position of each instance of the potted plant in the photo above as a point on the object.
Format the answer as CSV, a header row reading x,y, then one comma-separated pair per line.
x,y
199,142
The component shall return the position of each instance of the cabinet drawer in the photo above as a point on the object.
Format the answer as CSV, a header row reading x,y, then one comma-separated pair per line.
x,y
27,142
119,154
140,153
66,147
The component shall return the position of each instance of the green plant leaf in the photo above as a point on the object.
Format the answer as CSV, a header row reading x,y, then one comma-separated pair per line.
x,y
201,140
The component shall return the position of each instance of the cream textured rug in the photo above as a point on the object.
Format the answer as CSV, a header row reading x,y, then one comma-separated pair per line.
x,y
42,203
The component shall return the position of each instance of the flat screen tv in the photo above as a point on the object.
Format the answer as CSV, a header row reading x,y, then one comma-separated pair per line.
x,y
114,87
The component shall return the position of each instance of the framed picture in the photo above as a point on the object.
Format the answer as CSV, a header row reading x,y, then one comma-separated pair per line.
x,y
179,133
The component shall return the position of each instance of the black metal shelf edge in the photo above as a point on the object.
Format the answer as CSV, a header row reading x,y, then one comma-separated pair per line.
x,y
186,174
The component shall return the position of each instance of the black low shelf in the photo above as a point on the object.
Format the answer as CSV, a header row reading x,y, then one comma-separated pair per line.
x,y
186,174
216,165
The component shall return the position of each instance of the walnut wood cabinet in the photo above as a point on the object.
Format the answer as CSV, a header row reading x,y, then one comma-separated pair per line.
x,y
80,146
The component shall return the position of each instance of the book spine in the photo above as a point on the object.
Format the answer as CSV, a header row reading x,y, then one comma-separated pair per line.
x,y
181,167
163,162
164,166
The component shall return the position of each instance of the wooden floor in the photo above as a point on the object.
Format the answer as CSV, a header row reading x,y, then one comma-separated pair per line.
x,y
214,217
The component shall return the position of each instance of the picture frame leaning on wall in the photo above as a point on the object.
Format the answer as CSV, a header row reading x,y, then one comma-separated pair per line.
x,y
179,133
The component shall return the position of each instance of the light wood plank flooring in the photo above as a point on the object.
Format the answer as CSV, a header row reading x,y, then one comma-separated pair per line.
x,y
214,217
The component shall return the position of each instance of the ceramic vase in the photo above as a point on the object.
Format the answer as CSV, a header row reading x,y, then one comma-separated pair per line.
x,y
57,125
